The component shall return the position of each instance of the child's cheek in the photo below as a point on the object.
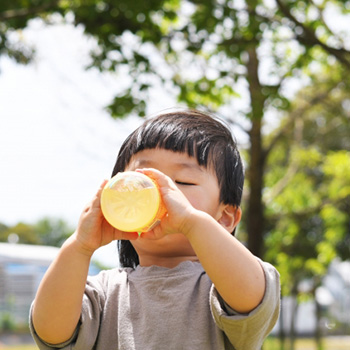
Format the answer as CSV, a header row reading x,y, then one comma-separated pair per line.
x,y
195,201
204,203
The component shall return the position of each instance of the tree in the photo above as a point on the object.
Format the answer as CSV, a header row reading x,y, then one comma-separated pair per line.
x,y
14,17
52,231
21,232
307,191
46,231
208,47
202,50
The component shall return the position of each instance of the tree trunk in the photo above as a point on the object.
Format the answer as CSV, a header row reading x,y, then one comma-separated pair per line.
x,y
255,215
318,314
282,335
318,330
292,334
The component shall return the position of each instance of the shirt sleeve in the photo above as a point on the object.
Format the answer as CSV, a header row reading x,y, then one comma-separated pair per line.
x,y
85,334
248,331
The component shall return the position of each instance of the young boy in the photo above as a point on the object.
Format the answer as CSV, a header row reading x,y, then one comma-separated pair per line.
x,y
188,283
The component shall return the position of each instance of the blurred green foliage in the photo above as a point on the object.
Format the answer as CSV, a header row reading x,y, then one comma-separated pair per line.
x,y
307,193
46,231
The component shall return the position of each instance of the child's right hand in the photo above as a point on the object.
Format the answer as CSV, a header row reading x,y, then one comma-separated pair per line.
x,y
94,231
58,302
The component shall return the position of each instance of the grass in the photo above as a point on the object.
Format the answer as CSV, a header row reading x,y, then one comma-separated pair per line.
x,y
330,343
270,344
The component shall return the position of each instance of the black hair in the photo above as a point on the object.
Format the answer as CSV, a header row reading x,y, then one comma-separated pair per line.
x,y
197,134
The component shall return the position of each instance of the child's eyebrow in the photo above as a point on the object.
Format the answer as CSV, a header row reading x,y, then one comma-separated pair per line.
x,y
180,165
189,166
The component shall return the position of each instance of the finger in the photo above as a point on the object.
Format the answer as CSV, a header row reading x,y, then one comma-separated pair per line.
x,y
97,198
148,235
156,175
102,186
129,236
151,172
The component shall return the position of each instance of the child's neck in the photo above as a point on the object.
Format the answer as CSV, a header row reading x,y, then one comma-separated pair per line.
x,y
169,262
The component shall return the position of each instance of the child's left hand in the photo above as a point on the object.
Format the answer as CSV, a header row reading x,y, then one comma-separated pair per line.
x,y
179,209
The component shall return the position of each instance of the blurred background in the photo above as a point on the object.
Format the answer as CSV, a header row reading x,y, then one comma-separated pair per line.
x,y
76,77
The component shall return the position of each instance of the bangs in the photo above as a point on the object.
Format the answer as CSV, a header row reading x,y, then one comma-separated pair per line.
x,y
178,134
203,137
174,138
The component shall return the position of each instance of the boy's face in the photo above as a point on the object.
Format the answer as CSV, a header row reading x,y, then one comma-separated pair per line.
x,y
197,183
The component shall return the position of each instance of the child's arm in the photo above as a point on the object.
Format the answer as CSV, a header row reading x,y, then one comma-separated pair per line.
x,y
58,302
235,272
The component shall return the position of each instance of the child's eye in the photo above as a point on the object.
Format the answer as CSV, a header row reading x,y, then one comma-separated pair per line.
x,y
184,183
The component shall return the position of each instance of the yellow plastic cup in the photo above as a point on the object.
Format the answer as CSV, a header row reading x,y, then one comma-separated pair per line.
x,y
131,202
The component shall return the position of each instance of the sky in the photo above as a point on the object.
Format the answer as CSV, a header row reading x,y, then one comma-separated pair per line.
x,y
57,141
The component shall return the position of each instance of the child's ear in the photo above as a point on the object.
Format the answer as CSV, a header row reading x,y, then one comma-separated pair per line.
x,y
230,217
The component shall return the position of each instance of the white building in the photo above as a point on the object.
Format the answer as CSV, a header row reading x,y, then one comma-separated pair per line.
x,y
333,296
22,267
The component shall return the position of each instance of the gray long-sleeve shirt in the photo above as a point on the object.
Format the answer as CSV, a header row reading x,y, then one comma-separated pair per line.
x,y
153,308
